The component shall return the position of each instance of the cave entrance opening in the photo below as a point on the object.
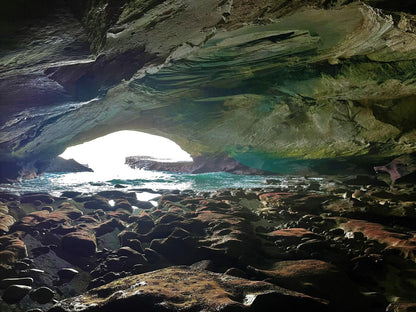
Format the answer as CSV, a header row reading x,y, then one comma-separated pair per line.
x,y
107,154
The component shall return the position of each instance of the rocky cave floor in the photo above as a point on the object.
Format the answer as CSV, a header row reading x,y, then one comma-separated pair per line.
x,y
348,245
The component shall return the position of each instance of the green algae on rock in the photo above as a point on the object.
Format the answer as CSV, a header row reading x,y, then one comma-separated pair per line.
x,y
184,289
258,82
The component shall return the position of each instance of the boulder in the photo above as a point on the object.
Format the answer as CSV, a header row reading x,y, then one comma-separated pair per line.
x,y
31,198
182,288
42,295
79,243
15,293
67,274
24,281
316,278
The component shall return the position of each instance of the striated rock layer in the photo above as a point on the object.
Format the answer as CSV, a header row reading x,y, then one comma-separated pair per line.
x,y
267,83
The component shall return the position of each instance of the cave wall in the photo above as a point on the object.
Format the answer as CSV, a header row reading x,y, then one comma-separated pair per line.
x,y
260,81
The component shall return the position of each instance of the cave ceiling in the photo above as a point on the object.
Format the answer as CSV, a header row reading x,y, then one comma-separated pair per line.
x,y
255,80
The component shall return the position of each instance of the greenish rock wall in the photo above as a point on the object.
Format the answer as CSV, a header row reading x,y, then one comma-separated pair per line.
x,y
259,81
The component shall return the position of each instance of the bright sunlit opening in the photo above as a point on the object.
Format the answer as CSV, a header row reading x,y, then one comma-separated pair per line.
x,y
108,153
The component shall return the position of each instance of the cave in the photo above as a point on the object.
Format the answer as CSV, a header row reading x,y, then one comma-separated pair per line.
x,y
300,121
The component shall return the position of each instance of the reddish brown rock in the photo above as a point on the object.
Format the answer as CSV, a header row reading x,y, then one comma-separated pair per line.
x,y
405,243
310,203
12,248
6,221
44,219
81,242
317,278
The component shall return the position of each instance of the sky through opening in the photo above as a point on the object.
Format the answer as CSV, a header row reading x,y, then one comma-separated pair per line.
x,y
108,153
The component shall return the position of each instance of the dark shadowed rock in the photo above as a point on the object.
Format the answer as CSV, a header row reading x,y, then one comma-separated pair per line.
x,y
67,274
80,243
42,295
317,278
15,293
31,198
24,281
60,164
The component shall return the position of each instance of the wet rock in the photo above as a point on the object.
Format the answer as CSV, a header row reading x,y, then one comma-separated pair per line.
x,y
119,186
82,243
184,288
67,274
236,272
38,251
123,204
23,281
9,196
120,214
125,236
291,234
144,223
151,255
6,221
12,248
134,244
313,245
108,227
143,205
401,306
40,220
19,265
15,293
70,194
98,203
178,250
42,295
31,198
47,208
133,256
168,218
404,244
317,278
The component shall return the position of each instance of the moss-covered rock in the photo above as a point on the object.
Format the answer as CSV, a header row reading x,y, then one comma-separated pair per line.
x,y
185,289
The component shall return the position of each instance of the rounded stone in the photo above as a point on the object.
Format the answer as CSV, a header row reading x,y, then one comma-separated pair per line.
x,y
67,274
20,265
15,293
42,295
25,281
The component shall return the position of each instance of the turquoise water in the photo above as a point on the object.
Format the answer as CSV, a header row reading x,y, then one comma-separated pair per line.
x,y
90,182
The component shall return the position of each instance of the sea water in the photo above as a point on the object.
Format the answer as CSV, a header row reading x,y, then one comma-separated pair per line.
x,y
135,180
90,182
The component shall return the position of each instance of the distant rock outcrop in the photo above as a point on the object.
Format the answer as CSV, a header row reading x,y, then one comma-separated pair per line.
x,y
60,164
200,164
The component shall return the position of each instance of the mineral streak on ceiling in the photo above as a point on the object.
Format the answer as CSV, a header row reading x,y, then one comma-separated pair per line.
x,y
256,80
